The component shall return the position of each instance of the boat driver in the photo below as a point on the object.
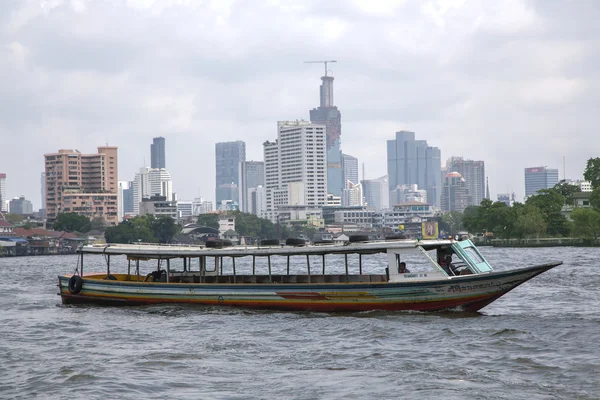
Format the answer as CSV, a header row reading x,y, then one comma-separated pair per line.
x,y
402,268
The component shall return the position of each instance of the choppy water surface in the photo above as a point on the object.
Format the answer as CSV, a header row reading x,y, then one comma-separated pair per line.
x,y
541,341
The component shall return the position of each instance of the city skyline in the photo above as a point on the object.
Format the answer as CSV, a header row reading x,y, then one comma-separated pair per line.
x,y
497,104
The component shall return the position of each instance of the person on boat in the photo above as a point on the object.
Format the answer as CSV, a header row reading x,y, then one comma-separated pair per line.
x,y
402,268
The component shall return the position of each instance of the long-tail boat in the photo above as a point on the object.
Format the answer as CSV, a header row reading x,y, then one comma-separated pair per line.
x,y
421,275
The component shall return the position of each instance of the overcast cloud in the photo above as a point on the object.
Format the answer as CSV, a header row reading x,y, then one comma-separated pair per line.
x,y
513,83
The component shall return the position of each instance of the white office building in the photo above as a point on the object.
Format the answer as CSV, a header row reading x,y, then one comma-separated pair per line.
x,y
296,166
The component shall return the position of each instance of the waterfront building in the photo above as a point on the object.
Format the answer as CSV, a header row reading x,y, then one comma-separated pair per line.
x,y
295,166
252,175
185,209
474,174
157,153
414,162
583,186
538,178
361,217
408,193
406,217
21,206
327,114
455,193
3,197
376,193
228,155
82,183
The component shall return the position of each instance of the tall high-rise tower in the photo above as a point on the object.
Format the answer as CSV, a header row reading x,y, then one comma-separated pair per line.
x,y
414,162
228,155
3,197
474,174
327,114
157,153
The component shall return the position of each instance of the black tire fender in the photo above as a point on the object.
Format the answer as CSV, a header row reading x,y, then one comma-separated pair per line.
x,y
75,284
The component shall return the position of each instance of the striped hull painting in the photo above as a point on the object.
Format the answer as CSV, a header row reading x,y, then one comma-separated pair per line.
x,y
467,293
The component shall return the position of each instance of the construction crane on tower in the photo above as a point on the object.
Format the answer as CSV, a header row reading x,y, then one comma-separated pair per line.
x,y
324,62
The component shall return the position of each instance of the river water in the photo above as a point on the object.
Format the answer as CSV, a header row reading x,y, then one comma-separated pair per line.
x,y
541,341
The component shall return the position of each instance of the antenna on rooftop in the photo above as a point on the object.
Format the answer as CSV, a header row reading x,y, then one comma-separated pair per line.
x,y
324,62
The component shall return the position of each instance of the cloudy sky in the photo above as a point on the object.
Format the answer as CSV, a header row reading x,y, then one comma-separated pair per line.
x,y
514,83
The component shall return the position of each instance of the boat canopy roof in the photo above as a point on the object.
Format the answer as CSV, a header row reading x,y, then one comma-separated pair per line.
x,y
156,251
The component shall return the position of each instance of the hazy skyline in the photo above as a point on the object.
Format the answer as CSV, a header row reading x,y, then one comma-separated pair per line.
x,y
512,83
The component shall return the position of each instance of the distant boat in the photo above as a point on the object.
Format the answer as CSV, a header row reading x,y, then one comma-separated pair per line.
x,y
466,284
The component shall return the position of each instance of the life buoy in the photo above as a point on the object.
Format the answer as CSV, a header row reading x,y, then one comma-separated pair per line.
x,y
75,284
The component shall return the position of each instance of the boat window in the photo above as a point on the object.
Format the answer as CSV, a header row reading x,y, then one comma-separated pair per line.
x,y
467,251
473,255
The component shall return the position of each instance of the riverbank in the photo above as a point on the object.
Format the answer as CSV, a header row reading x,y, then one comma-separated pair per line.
x,y
540,242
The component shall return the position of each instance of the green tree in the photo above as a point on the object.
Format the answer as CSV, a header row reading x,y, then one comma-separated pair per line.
x,y
164,228
531,222
452,222
567,190
550,203
98,224
586,223
210,220
595,199
592,172
72,222
137,229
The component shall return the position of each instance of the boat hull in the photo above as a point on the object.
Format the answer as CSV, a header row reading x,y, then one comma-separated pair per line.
x,y
465,293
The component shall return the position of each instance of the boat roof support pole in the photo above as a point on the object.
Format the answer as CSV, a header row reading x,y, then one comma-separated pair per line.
x,y
168,269
221,265
308,266
137,269
346,265
185,264
233,261
81,265
323,264
270,278
108,266
288,265
360,264
128,270
253,265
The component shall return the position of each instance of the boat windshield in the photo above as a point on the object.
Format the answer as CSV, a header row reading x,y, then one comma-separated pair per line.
x,y
467,251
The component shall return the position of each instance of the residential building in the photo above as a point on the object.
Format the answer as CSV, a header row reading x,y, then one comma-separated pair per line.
x,y
327,114
252,175
3,197
158,206
455,193
6,228
21,206
474,174
414,162
361,217
376,193
584,186
228,155
295,166
157,153
43,184
538,178
82,183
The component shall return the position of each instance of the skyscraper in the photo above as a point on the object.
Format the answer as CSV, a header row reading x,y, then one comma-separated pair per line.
x,y
3,198
350,170
228,155
414,162
376,193
252,175
327,114
538,178
455,193
295,166
474,174
157,153
150,182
